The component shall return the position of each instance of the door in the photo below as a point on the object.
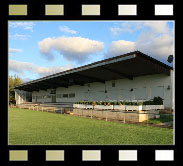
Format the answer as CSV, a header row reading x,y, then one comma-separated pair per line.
x,y
53,98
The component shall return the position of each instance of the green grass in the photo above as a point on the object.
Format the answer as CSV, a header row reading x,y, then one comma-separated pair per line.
x,y
27,127
162,119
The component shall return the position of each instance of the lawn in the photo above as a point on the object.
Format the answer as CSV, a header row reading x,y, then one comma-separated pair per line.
x,y
28,127
163,118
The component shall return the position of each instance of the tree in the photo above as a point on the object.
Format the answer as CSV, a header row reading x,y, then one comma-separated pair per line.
x,y
13,81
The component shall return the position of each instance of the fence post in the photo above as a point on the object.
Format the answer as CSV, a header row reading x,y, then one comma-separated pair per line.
x,y
147,118
124,117
105,115
42,109
91,113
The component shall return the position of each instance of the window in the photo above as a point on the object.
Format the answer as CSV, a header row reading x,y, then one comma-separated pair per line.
x,y
71,95
59,95
65,95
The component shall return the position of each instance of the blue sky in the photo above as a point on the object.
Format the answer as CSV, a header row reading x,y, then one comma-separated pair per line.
x,y
37,49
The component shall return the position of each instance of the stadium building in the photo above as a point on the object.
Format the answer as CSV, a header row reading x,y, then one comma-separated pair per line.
x,y
133,76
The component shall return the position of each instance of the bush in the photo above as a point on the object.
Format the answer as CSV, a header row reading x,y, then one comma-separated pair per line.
x,y
116,103
120,103
148,103
99,103
158,100
111,103
124,102
108,103
140,103
94,103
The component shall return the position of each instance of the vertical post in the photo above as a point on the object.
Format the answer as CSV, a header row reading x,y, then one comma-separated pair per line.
x,y
42,109
105,115
91,113
147,118
124,117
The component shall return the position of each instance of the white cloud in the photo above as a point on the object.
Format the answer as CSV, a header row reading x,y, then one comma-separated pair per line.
x,y
21,67
44,71
126,27
159,47
72,48
120,47
67,30
157,26
15,50
25,25
131,27
19,37
155,39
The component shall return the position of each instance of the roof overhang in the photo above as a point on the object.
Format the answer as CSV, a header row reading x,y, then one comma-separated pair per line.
x,y
128,66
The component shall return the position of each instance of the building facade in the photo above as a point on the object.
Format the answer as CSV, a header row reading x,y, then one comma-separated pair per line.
x,y
147,82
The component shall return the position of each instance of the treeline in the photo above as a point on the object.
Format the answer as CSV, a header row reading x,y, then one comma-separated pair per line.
x,y
13,81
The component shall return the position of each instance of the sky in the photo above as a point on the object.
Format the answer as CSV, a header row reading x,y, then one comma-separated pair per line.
x,y
41,48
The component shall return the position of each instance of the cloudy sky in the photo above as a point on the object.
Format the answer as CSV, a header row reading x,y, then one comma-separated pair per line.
x,y
37,49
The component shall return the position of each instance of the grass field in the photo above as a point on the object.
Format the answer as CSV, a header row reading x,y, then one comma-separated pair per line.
x,y
28,127
163,118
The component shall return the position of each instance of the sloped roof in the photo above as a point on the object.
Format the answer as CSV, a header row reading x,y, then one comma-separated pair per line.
x,y
128,65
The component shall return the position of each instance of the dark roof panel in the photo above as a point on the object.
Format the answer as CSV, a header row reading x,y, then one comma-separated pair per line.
x,y
129,65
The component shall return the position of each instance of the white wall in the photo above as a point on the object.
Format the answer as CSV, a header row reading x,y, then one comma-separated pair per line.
x,y
143,87
20,96
41,93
